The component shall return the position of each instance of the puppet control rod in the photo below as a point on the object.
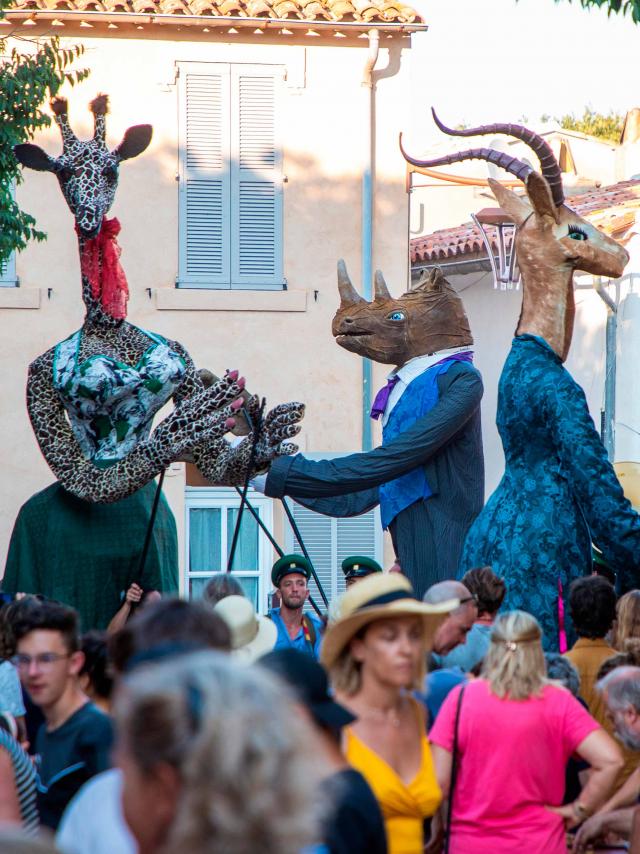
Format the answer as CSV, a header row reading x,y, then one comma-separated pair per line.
x,y
244,502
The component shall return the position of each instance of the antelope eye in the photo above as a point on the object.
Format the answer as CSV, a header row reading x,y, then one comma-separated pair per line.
x,y
576,233
397,316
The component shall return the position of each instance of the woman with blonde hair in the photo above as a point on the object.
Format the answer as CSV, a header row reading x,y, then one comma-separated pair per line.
x,y
375,653
512,732
214,760
627,622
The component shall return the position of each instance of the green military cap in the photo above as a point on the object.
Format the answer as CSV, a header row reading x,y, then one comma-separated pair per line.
x,y
288,564
357,566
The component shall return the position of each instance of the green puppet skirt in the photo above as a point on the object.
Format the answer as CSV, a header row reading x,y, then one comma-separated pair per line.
x,y
87,554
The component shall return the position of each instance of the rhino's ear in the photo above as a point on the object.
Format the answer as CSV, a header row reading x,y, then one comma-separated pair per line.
x,y
431,280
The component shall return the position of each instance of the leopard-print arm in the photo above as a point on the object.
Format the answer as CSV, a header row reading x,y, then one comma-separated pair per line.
x,y
202,417
226,465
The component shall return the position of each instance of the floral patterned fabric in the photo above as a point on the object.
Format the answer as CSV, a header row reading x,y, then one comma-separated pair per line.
x,y
111,405
558,493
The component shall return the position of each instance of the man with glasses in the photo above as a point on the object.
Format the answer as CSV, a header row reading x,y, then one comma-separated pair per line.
x,y
74,742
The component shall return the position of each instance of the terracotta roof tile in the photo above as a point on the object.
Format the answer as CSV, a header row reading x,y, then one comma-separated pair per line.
x,y
606,207
362,11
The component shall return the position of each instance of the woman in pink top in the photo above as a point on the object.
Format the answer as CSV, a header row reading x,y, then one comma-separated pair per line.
x,y
516,732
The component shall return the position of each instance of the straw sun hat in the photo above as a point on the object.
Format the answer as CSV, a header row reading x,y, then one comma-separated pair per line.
x,y
379,596
251,634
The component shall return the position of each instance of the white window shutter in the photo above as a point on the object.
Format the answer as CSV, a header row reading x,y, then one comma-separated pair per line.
x,y
329,541
205,183
256,178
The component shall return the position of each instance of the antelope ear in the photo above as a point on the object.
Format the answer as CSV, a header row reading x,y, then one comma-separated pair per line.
x,y
516,206
135,140
33,157
540,196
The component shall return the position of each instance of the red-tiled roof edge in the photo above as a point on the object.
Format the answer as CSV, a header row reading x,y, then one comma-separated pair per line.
x,y
465,240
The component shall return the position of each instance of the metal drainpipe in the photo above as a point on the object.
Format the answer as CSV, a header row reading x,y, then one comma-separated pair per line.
x,y
608,427
367,220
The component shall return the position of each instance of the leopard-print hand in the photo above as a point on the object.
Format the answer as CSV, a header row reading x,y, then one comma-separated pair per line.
x,y
201,419
225,465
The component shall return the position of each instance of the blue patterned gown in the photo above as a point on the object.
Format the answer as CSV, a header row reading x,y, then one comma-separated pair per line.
x,y
558,493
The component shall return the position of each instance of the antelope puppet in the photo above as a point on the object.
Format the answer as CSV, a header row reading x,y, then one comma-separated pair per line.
x,y
559,493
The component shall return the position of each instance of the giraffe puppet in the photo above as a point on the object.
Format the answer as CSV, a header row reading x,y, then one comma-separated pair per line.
x,y
92,399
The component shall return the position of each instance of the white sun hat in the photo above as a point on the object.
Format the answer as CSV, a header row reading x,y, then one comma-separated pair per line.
x,y
251,635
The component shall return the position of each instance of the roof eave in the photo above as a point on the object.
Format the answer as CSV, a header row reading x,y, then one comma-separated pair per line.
x,y
34,15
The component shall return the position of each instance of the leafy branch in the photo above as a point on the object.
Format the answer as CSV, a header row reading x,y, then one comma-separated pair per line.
x,y
27,82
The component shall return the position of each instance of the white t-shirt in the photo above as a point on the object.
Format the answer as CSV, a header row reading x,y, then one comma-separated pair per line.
x,y
93,823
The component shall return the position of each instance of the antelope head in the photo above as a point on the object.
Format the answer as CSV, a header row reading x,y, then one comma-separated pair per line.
x,y
551,239
428,318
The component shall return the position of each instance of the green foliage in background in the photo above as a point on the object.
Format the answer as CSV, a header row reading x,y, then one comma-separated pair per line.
x,y
606,127
614,7
29,77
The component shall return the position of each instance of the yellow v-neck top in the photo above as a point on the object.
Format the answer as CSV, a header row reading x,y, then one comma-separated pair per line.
x,y
404,807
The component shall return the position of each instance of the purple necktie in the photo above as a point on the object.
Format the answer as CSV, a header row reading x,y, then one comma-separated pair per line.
x,y
382,398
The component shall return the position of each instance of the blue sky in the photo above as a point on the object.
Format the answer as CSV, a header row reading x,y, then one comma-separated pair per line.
x,y
497,60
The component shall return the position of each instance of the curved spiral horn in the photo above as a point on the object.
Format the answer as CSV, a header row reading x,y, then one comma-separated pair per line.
x,y
510,164
548,163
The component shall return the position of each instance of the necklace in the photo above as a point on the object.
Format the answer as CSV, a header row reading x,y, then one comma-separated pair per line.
x,y
390,716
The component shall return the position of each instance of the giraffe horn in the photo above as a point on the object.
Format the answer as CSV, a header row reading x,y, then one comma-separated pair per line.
x,y
99,107
59,108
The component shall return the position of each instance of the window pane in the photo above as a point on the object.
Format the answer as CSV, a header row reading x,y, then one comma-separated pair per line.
x,y
196,587
246,555
205,540
250,587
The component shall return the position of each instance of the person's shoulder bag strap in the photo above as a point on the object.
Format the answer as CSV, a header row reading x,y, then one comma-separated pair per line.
x,y
309,631
454,771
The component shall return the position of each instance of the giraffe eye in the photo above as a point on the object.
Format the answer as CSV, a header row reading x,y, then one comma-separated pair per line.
x,y
110,172
397,316
576,233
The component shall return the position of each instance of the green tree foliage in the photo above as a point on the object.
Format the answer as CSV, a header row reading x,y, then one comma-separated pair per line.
x,y
614,7
606,127
27,80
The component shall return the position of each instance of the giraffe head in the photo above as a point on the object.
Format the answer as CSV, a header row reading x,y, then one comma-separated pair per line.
x,y
428,318
86,170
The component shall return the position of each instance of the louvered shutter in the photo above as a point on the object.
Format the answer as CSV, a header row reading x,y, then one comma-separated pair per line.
x,y
256,178
205,181
8,272
329,541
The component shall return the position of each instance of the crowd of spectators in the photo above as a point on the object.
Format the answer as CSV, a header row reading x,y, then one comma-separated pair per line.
x,y
400,726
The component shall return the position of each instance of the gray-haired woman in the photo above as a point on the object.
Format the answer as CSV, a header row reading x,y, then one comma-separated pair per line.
x,y
515,733
214,760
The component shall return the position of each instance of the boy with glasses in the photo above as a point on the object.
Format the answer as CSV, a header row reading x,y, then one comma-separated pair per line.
x,y
74,742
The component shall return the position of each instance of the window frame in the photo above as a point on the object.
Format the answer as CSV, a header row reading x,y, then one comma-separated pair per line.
x,y
211,498
231,178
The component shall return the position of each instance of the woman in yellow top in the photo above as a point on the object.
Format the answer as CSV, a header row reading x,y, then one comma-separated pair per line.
x,y
375,652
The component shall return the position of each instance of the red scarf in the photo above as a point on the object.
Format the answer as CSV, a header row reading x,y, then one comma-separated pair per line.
x,y
100,264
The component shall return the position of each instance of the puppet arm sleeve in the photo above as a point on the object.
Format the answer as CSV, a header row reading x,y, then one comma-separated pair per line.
x,y
303,478
613,523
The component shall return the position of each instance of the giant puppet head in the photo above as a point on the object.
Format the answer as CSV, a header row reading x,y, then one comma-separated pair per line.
x,y
86,170
551,239
428,318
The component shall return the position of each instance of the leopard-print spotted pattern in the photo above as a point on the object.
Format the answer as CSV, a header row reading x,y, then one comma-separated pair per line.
x,y
88,175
